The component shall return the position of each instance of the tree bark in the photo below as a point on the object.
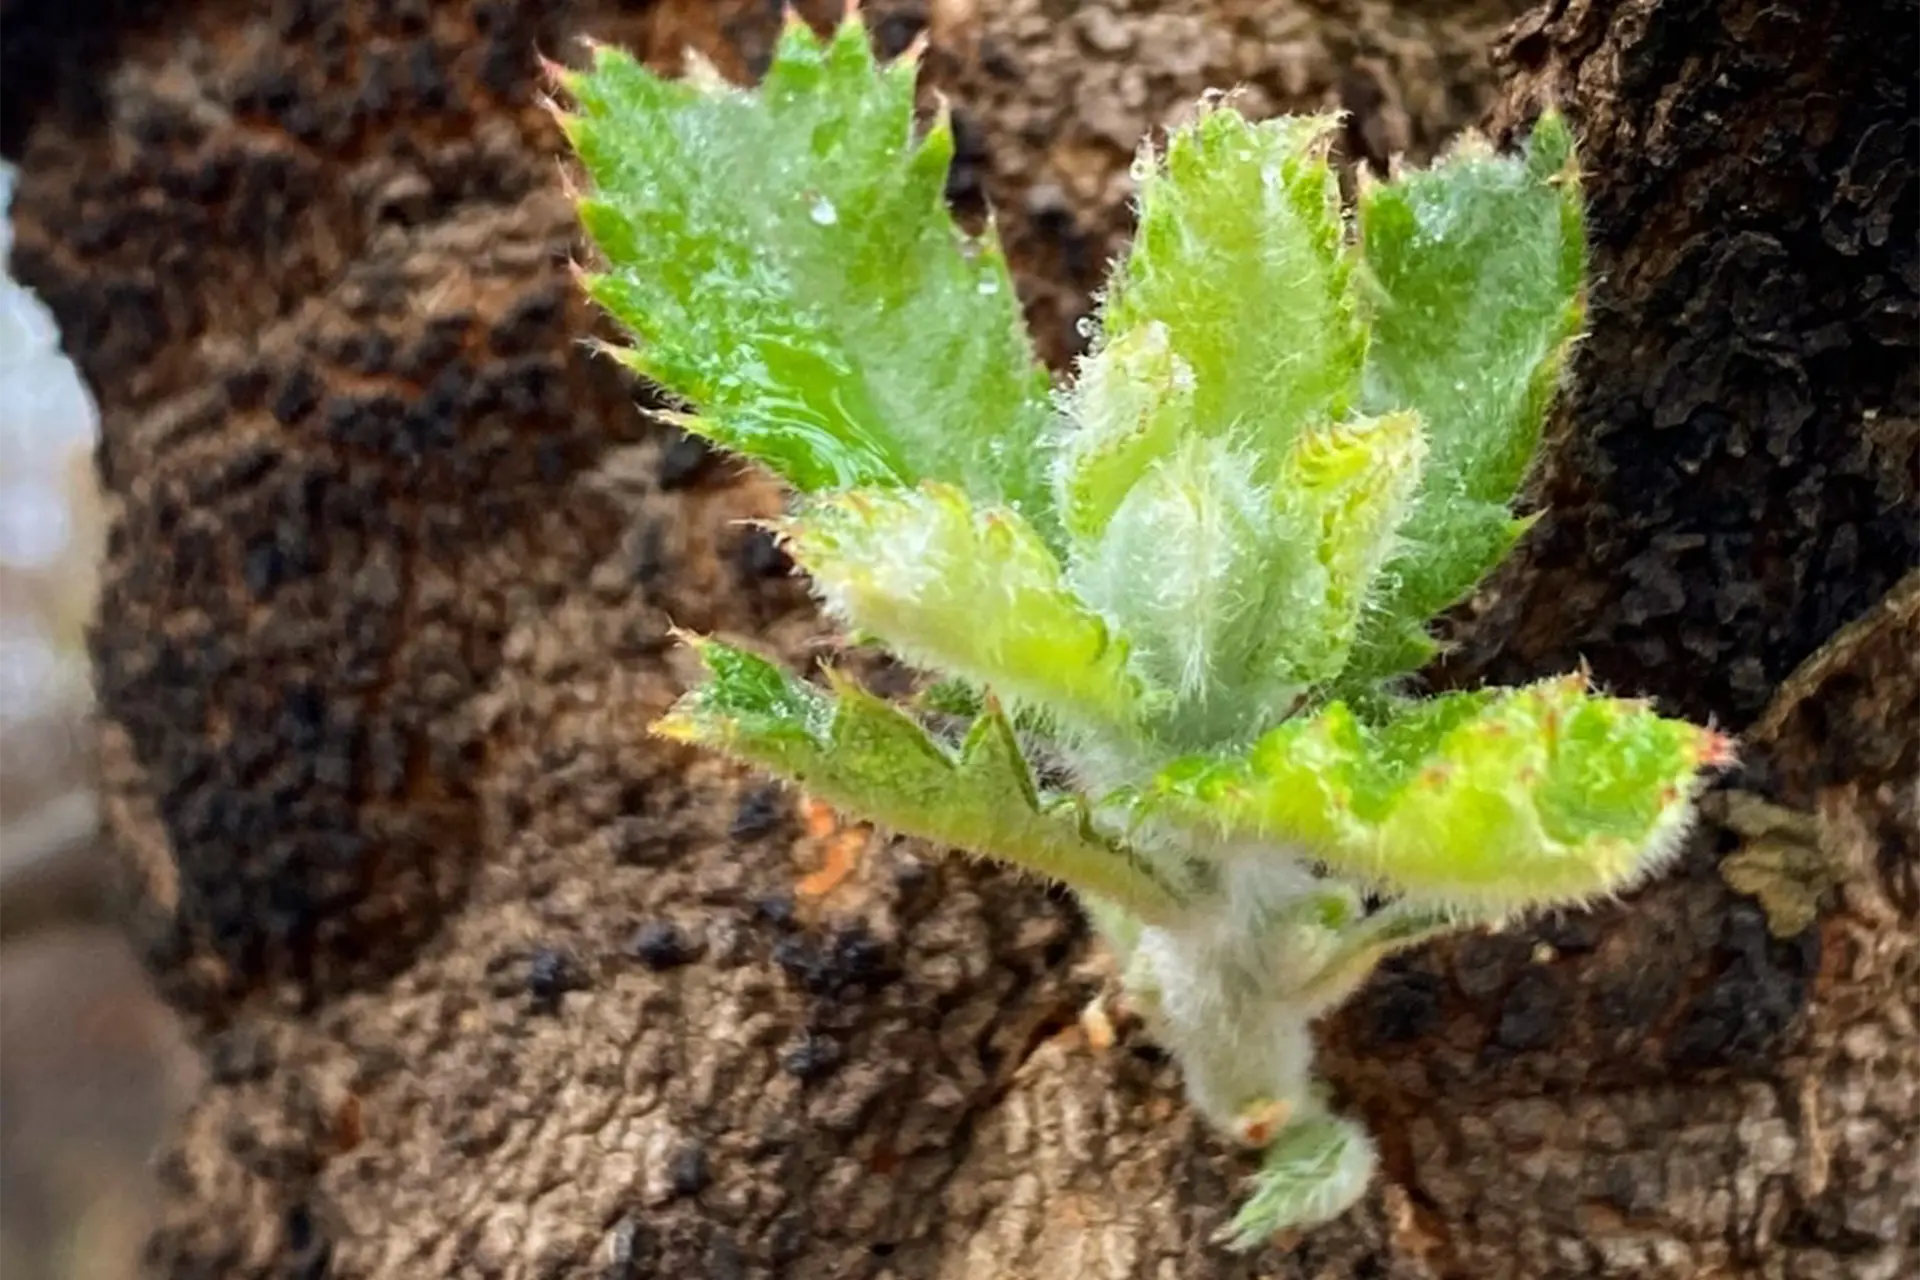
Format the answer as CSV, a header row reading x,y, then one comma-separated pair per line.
x,y
490,983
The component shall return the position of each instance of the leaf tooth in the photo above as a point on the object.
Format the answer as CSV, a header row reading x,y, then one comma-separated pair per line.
x,y
700,72
569,185
915,51
552,74
1716,750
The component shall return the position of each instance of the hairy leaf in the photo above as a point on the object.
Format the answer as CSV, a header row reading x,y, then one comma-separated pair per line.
x,y
1313,1172
969,591
786,264
1344,492
865,756
1473,273
1239,595
1285,453
1192,567
1129,409
1490,802
1240,256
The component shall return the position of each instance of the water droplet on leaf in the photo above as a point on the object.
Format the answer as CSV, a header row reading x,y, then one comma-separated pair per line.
x,y
823,213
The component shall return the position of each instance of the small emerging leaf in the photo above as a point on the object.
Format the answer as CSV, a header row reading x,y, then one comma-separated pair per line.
x,y
786,263
1132,402
865,756
1315,1170
1345,490
972,592
1489,802
1193,568
1238,595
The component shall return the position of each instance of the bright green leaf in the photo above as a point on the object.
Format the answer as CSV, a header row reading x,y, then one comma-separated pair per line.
x,y
1489,802
1473,272
786,264
968,591
1240,255
876,763
1241,596
1344,492
1129,409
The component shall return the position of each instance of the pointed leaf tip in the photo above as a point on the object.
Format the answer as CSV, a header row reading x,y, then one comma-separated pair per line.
x,y
1474,273
1240,254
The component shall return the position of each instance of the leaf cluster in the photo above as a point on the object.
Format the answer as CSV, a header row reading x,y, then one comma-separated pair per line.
x,y
1195,574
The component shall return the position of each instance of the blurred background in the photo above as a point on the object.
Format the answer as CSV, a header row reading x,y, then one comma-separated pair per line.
x,y
90,1062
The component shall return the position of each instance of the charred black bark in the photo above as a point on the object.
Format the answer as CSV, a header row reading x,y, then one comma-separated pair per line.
x,y
1740,467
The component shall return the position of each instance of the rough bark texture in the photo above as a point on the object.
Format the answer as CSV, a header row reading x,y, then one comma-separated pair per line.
x,y
489,983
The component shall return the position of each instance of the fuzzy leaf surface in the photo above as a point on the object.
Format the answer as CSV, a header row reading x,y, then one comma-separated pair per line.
x,y
786,264
1344,491
1473,272
968,591
1486,802
868,758
1241,595
1129,409
1240,256
1191,568
1312,1173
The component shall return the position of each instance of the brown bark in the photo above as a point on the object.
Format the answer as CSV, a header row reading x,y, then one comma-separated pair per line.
x,y
490,983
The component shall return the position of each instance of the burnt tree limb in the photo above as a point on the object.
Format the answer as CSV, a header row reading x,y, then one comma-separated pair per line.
x,y
489,983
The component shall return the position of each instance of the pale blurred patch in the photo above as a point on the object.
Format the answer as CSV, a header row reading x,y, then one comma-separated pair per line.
x,y
91,1064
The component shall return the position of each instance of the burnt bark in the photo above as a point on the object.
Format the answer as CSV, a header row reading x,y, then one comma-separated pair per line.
x,y
487,982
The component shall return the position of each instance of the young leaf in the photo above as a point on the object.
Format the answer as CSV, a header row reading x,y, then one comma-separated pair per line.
x,y
1316,1169
1345,491
1240,596
1474,271
1486,802
1282,457
1133,401
863,755
1239,254
973,592
1397,926
1192,567
786,264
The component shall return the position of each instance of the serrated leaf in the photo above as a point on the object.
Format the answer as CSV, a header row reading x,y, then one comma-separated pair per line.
x,y
1488,802
1473,273
1240,255
968,591
1314,1171
786,264
868,758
